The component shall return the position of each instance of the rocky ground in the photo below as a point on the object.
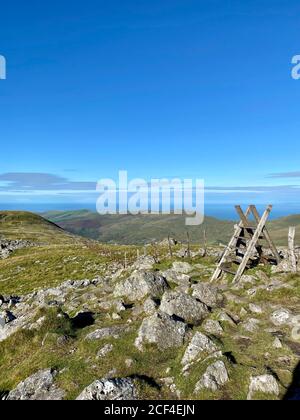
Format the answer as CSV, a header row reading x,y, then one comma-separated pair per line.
x,y
7,247
155,328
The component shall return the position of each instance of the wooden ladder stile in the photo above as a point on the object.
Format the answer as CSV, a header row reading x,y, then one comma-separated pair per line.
x,y
250,246
229,248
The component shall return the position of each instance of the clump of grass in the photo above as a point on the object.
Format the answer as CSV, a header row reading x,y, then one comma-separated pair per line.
x,y
56,322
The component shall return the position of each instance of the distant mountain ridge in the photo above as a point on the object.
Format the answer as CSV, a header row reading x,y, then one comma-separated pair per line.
x,y
22,225
128,229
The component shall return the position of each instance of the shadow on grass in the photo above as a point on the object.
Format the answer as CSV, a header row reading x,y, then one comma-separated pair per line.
x,y
83,320
149,381
293,392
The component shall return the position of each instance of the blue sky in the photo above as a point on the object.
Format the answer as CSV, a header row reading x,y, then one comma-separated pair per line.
x,y
161,88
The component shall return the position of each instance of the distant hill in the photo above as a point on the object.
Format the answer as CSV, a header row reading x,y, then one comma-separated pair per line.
x,y
61,227
128,229
32,227
279,228
54,257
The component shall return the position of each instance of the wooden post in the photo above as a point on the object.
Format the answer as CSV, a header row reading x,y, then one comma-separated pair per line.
x,y
205,243
188,245
155,252
170,247
125,261
292,254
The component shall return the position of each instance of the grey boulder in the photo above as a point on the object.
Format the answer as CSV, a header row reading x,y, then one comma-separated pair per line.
x,y
107,332
281,317
173,276
184,306
266,384
162,330
199,347
144,262
182,267
214,378
39,386
251,325
212,326
109,389
207,294
141,284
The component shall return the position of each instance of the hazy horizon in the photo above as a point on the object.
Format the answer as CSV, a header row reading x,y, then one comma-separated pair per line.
x,y
218,210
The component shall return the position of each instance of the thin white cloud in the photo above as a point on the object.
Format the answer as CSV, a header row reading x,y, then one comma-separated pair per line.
x,y
23,181
295,174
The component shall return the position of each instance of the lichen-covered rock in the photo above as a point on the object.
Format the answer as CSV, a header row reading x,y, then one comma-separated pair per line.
x,y
251,325
224,317
39,386
107,332
9,328
168,241
173,276
207,294
277,344
141,284
255,309
162,330
281,317
144,262
214,378
150,306
6,317
184,306
104,351
182,267
284,267
110,390
200,347
266,384
212,327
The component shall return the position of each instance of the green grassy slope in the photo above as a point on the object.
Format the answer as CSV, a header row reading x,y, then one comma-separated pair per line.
x,y
127,229
56,257
32,227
